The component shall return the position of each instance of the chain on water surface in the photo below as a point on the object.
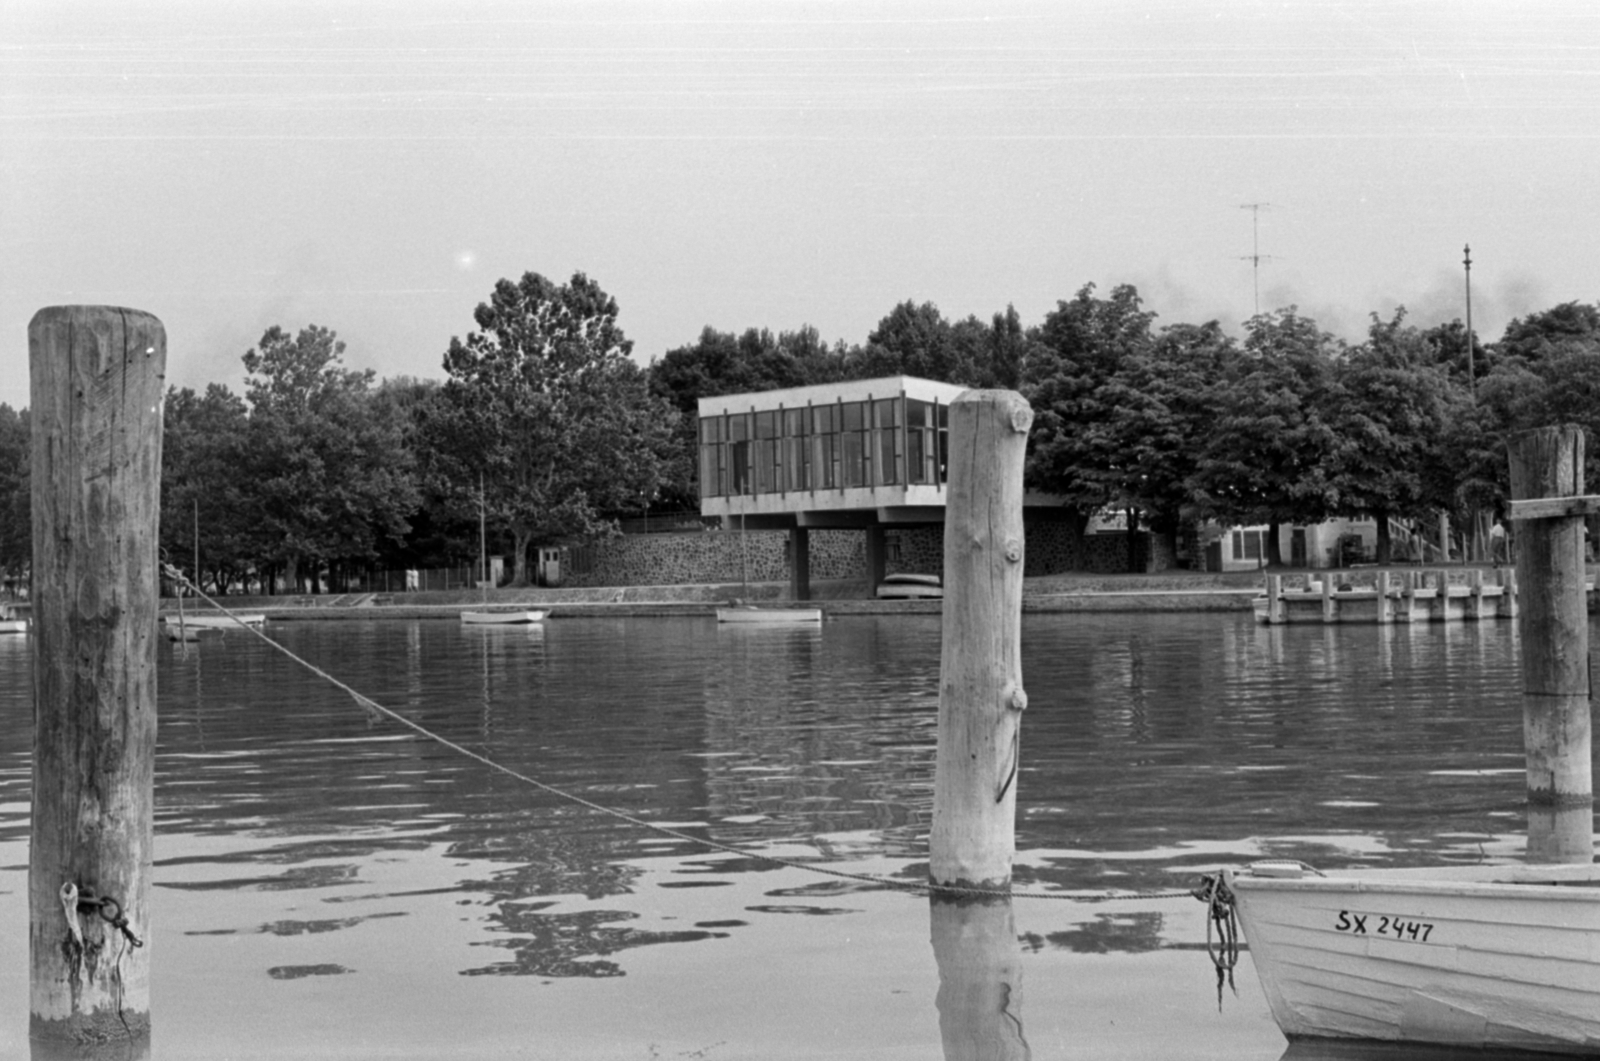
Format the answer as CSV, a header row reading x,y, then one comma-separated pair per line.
x,y
923,887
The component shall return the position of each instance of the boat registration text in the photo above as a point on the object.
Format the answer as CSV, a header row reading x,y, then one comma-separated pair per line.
x,y
1384,925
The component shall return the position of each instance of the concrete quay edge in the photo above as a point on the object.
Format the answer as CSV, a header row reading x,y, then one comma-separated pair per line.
x,y
1208,600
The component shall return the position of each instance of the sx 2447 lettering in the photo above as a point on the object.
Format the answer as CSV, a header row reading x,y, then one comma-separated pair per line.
x,y
1383,925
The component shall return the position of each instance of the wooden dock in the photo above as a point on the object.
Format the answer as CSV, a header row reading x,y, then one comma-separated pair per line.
x,y
1383,596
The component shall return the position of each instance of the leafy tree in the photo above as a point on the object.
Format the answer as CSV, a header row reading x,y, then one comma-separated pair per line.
x,y
1076,450
1447,344
543,403
990,356
330,476
912,340
1163,409
1387,405
16,501
1553,381
1269,455
204,506
1469,473
1536,336
440,534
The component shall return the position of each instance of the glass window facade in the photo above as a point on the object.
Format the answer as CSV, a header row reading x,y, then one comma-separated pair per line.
x,y
886,424
797,459
884,442
853,443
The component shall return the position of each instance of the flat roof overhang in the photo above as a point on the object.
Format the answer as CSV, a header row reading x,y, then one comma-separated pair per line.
x,y
858,518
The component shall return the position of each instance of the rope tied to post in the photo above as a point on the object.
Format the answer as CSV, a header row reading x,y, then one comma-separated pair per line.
x,y
376,711
1222,922
110,911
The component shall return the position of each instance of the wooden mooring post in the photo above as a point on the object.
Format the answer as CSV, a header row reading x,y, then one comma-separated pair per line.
x,y
1553,627
973,837
981,698
97,390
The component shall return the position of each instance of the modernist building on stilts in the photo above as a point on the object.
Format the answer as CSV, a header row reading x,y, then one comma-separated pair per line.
x,y
865,454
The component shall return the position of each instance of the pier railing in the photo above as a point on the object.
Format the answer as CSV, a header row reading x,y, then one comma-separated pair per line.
x,y
1379,595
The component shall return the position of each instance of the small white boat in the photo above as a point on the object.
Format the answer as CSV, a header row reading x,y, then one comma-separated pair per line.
x,y
216,621
906,586
750,614
506,618
11,622
1486,957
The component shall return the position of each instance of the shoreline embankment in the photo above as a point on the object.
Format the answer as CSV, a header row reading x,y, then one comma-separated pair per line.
x,y
1167,592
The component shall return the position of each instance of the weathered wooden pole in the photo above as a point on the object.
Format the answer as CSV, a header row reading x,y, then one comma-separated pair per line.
x,y
97,390
980,670
1553,626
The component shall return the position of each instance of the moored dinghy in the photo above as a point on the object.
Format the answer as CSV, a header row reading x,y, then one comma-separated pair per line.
x,y
503,618
1487,957
908,586
217,622
749,613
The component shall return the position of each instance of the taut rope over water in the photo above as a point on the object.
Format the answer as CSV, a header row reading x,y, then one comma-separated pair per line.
x,y
373,708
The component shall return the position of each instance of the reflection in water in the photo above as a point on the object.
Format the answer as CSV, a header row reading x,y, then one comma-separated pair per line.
x,y
980,981
120,1050
1130,932
297,839
1337,1050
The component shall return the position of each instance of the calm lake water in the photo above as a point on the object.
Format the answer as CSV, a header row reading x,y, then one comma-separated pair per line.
x,y
330,886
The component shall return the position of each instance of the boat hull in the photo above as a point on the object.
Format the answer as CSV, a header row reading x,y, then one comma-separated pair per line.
x,y
217,622
908,591
13,626
517,618
769,615
905,586
1439,960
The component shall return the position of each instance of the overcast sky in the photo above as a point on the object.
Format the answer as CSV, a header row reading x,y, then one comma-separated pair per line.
x,y
375,167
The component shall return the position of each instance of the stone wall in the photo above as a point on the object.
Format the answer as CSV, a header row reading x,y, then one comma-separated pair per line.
x,y
712,556
763,556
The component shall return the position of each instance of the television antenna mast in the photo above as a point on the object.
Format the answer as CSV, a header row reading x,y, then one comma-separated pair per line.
x,y
1255,257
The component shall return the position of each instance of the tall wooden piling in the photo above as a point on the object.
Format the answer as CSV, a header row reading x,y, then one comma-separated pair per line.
x,y
981,698
97,391
1553,627
1275,608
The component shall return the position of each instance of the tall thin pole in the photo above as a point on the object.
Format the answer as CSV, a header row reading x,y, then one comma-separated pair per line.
x,y
1255,247
1472,373
483,542
1476,550
197,541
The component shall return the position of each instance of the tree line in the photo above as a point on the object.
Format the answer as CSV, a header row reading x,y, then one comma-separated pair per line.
x,y
544,429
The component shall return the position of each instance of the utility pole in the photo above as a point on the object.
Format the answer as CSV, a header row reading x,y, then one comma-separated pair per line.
x,y
1472,390
1255,255
1472,374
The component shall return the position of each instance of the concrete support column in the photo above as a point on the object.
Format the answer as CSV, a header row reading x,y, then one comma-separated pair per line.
x,y
800,563
877,560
